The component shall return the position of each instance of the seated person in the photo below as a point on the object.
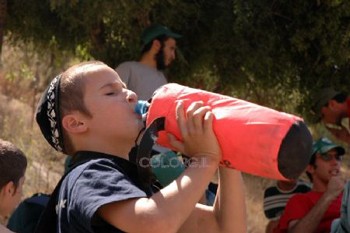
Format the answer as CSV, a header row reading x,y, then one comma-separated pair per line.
x,y
331,107
13,164
314,211
26,216
276,198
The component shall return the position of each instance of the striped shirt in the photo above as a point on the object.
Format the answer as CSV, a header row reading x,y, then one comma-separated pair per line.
x,y
275,199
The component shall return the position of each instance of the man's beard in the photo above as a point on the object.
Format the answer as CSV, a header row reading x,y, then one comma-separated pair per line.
x,y
160,59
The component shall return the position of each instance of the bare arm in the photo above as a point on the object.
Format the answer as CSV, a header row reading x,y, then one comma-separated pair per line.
x,y
229,211
311,221
230,206
340,133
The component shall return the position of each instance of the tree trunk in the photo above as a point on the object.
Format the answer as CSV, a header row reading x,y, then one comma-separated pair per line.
x,y
3,12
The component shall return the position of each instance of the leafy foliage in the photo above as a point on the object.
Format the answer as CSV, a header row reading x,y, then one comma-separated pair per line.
x,y
275,53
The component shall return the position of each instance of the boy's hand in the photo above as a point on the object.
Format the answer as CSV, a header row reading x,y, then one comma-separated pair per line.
x,y
196,128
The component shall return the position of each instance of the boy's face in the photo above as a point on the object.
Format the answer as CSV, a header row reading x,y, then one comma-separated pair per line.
x,y
111,105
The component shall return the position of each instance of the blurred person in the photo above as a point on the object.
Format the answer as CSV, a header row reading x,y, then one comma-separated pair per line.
x,y
331,107
158,52
314,211
277,196
26,216
13,164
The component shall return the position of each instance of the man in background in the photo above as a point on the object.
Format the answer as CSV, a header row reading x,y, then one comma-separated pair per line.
x,y
331,107
158,48
158,52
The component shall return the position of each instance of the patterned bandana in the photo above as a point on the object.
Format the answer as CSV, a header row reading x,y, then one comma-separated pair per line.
x,y
48,115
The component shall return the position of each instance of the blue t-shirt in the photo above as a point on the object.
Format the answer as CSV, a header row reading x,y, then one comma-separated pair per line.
x,y
93,184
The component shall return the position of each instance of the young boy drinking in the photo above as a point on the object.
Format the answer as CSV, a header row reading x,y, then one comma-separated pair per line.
x,y
13,164
87,112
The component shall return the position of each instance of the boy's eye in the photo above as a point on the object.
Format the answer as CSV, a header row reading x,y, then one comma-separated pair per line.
x,y
110,93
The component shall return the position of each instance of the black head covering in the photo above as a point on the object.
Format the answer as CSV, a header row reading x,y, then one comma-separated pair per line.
x,y
48,115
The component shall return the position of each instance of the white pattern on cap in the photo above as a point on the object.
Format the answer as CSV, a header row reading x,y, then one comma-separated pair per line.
x,y
51,113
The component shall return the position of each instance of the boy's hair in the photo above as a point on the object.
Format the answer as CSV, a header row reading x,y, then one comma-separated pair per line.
x,y
13,163
64,95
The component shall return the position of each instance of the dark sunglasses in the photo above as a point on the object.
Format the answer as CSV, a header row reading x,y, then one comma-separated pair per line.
x,y
328,157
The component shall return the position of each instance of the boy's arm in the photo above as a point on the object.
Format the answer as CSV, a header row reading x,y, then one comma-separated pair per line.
x,y
168,209
164,211
229,211
230,207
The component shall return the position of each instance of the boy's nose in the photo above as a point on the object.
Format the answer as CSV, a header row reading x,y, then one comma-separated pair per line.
x,y
131,96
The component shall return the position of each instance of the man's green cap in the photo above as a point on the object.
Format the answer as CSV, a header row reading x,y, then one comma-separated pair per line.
x,y
321,99
156,30
323,145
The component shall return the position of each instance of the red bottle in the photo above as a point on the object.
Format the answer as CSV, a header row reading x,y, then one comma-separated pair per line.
x,y
253,138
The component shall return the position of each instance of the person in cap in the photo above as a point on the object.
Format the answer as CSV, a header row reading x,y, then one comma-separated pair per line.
x,y
88,113
331,107
158,52
315,210
13,164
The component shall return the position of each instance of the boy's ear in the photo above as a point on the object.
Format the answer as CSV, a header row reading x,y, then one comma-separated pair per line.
x,y
73,124
310,168
8,189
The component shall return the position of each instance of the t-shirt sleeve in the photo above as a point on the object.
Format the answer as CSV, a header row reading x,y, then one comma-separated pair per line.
x,y
265,202
123,71
97,185
297,207
273,203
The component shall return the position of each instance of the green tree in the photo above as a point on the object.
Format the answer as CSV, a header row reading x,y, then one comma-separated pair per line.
x,y
275,53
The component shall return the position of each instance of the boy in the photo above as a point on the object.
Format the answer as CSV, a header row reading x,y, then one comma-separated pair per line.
x,y
13,164
88,113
